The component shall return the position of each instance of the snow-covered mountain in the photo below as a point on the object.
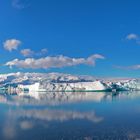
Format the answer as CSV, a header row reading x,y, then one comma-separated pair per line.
x,y
67,82
30,78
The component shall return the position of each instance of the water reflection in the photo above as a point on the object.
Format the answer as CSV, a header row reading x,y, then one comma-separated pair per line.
x,y
53,98
58,98
55,115
58,115
26,119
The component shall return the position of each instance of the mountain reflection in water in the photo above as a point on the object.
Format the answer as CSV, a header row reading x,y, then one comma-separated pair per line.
x,y
70,116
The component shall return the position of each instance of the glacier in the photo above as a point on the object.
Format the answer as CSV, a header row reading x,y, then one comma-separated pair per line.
x,y
59,82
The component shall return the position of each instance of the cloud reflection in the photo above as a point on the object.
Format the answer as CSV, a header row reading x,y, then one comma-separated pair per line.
x,y
56,115
29,112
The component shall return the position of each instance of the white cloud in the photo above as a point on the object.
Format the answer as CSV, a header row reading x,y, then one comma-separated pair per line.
x,y
41,52
136,67
20,4
53,62
11,44
27,52
132,36
44,51
133,67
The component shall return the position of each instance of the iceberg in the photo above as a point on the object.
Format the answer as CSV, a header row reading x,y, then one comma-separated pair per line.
x,y
66,87
60,82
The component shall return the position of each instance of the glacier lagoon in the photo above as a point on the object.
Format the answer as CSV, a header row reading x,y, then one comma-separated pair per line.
x,y
70,116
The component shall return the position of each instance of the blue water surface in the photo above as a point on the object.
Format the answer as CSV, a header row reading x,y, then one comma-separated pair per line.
x,y
70,116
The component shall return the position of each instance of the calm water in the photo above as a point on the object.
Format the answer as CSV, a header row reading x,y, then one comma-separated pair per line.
x,y
70,116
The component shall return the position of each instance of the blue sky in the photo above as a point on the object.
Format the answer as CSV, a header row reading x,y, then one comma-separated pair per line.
x,y
61,36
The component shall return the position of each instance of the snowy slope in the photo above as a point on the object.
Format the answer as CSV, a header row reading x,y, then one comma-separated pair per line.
x,y
67,82
31,78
